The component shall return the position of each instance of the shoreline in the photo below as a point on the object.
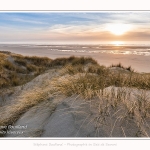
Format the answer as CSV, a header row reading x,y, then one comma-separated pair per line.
x,y
139,63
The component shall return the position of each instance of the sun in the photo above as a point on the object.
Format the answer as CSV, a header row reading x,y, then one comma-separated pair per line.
x,y
118,29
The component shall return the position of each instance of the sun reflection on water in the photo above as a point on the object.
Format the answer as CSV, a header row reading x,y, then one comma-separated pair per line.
x,y
117,43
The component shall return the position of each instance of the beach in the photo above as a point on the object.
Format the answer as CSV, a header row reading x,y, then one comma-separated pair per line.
x,y
138,57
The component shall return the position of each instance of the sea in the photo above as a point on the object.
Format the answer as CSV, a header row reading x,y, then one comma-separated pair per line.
x,y
132,49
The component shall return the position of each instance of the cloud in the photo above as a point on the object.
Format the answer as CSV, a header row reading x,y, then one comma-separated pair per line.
x,y
77,26
28,21
136,35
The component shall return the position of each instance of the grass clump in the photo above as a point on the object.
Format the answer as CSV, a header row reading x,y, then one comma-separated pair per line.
x,y
82,60
71,70
39,61
20,61
136,80
72,61
129,68
83,84
8,65
100,70
17,69
31,68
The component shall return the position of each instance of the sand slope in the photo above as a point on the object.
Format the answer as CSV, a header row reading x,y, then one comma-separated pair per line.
x,y
58,116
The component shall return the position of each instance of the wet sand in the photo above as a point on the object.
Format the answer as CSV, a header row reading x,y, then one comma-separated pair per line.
x,y
139,63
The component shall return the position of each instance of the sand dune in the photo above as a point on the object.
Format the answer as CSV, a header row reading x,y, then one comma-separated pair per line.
x,y
76,97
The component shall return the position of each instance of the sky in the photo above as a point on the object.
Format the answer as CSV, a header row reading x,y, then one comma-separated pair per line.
x,y
75,27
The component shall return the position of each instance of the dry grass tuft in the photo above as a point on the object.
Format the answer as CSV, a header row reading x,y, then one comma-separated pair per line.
x,y
11,113
129,68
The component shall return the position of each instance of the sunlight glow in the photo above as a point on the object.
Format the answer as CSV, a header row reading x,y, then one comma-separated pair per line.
x,y
117,43
118,29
